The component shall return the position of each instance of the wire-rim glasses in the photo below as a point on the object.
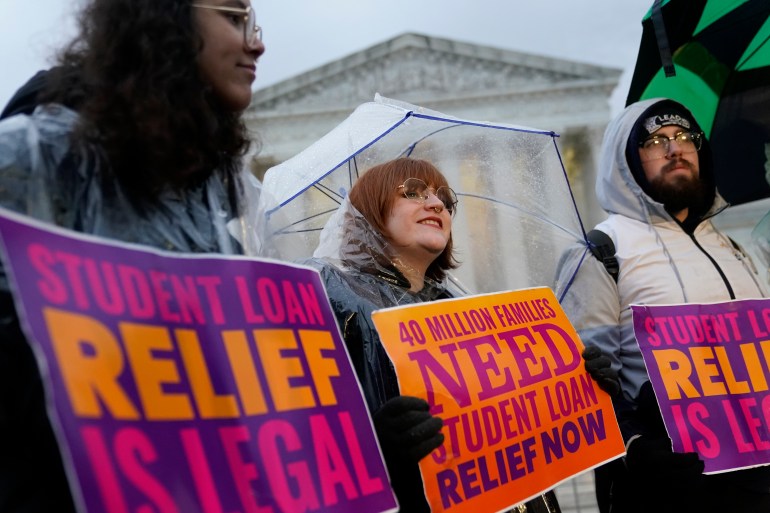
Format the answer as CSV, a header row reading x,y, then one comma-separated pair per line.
x,y
658,146
252,33
417,190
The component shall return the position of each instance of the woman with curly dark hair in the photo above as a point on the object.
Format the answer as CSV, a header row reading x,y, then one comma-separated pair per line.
x,y
138,137
159,89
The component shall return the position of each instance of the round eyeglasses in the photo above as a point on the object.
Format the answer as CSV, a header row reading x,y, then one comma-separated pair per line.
x,y
417,190
243,17
658,146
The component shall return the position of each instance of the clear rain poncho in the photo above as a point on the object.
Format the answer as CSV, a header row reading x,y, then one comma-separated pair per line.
x,y
44,176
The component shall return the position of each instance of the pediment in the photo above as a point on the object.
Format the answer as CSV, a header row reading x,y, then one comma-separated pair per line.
x,y
415,67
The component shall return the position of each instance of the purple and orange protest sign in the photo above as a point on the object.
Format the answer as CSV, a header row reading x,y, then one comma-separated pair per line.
x,y
709,366
192,384
505,374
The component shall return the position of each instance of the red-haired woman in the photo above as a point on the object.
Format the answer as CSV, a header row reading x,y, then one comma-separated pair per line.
x,y
390,243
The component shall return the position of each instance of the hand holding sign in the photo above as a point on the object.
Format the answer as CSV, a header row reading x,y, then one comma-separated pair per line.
x,y
405,427
407,433
598,366
650,456
653,457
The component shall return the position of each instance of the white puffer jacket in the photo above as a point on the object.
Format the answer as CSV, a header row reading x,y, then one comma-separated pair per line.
x,y
660,263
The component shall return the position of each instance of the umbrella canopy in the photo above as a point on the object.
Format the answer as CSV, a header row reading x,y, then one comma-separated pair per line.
x,y
713,56
516,213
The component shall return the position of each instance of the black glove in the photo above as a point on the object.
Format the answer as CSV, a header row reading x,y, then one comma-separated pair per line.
x,y
654,458
406,430
598,366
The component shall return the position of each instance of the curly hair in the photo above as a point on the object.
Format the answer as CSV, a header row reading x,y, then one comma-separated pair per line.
x,y
132,74
374,195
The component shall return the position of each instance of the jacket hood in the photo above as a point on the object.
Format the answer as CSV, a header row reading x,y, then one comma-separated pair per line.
x,y
348,241
618,191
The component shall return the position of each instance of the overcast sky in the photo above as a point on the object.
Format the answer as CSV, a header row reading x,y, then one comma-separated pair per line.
x,y
303,34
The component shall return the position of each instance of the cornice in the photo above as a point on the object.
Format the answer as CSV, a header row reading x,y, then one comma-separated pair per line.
x,y
419,63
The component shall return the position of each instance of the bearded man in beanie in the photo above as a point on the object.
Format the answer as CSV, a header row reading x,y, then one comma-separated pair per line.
x,y
656,182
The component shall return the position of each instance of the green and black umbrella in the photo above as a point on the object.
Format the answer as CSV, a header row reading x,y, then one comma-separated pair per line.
x,y
714,57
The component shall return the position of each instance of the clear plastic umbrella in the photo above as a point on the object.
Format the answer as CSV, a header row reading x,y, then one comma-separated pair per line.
x,y
516,215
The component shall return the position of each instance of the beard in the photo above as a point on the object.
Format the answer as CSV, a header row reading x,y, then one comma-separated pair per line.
x,y
679,191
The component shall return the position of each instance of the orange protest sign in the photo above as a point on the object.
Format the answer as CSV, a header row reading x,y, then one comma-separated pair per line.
x,y
505,374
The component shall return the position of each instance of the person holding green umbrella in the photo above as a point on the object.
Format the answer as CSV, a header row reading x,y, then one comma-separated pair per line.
x,y
656,182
